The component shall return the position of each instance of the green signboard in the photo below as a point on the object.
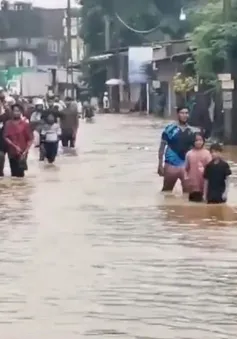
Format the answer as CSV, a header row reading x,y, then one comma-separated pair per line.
x,y
10,73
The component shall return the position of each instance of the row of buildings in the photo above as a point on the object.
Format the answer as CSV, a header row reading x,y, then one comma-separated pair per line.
x,y
34,37
168,59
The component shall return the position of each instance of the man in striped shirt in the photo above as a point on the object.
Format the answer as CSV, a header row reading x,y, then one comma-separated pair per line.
x,y
176,140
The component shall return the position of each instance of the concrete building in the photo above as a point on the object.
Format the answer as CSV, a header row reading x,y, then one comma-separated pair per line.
x,y
77,44
167,62
168,58
32,36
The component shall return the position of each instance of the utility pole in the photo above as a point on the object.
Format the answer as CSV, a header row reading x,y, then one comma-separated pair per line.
x,y
107,27
69,45
107,22
228,92
226,10
110,21
117,66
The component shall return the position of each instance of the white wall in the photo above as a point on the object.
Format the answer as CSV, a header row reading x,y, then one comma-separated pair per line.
x,y
165,73
13,42
28,59
78,47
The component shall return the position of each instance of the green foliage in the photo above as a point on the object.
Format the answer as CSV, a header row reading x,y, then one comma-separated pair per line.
x,y
138,14
214,40
92,27
211,12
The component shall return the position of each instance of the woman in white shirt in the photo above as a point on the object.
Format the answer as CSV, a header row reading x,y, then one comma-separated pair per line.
x,y
50,135
36,120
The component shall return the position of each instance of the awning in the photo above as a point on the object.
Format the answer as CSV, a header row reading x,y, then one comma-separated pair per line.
x,y
100,57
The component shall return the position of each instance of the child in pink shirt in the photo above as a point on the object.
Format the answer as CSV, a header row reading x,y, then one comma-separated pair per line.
x,y
196,161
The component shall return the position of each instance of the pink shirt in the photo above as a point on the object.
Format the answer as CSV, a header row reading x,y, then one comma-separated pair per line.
x,y
196,161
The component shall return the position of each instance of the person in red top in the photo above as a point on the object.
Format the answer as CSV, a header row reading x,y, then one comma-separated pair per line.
x,y
19,138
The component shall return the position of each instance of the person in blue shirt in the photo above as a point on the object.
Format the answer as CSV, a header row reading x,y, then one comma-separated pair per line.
x,y
176,140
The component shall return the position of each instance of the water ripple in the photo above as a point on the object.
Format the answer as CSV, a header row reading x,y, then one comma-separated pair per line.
x,y
91,249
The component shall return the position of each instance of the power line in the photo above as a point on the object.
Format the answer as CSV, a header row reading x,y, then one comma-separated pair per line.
x,y
133,29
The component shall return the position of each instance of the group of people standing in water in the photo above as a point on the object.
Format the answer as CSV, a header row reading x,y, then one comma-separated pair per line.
x,y
182,153
47,121
203,173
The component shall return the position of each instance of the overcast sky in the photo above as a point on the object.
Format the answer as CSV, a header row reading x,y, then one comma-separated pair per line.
x,y
51,3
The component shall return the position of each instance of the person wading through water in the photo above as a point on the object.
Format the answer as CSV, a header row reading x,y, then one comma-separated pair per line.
x,y
50,110
69,123
19,138
195,163
176,140
5,115
50,135
36,120
88,111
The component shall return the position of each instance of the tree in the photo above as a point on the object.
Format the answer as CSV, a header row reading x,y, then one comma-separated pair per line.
x,y
214,37
139,15
215,41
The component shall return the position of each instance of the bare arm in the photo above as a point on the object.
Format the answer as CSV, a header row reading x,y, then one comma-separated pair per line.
x,y
205,189
161,151
160,169
9,142
227,186
187,163
8,139
59,131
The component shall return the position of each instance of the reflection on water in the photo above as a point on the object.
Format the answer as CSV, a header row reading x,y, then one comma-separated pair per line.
x,y
91,249
181,212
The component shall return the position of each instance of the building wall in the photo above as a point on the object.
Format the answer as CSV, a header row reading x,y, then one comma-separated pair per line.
x,y
13,42
159,53
25,59
77,44
7,59
165,73
36,29
17,59
48,50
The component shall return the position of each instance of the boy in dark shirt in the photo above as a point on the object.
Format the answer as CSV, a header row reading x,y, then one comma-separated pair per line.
x,y
216,175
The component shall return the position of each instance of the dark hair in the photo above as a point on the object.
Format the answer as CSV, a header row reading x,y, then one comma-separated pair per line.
x,y
50,115
180,108
21,109
198,134
216,148
68,99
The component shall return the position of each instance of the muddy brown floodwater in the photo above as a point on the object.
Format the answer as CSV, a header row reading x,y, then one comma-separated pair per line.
x,y
91,249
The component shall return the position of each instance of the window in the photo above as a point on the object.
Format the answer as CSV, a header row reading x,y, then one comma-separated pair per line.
x,y
53,46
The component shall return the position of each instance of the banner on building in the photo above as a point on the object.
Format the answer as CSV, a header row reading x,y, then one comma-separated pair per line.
x,y
138,60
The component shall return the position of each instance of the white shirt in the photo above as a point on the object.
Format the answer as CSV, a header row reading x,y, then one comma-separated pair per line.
x,y
105,102
35,117
51,132
79,107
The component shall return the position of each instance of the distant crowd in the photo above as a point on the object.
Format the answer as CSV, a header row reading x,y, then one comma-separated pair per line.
x,y
42,121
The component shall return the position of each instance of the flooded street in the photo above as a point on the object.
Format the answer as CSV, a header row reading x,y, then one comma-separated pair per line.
x,y
92,249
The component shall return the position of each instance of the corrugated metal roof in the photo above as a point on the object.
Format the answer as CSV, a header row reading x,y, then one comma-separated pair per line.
x,y
101,57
